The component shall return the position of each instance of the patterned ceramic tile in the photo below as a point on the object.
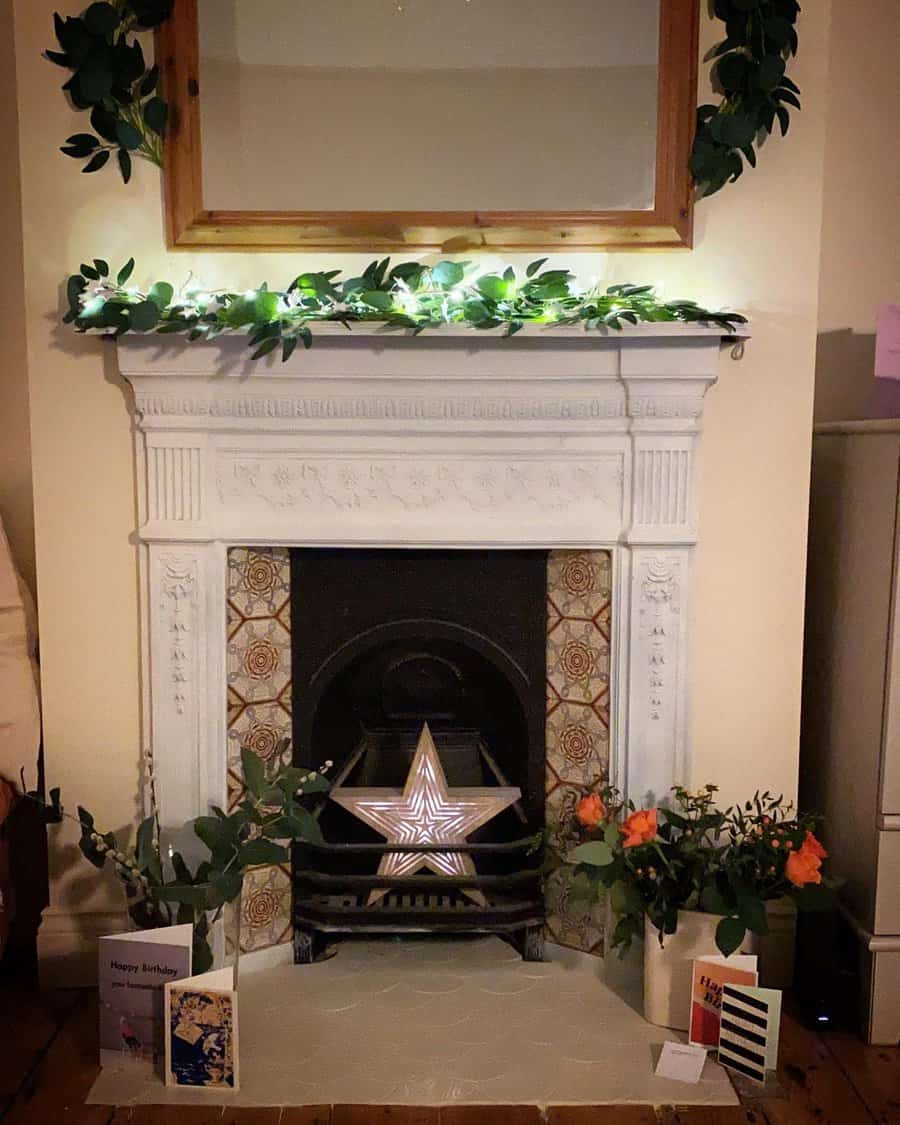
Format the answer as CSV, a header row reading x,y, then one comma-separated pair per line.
x,y
259,713
579,591
266,907
572,921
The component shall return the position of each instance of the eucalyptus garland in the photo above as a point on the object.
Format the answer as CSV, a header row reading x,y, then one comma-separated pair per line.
x,y
760,36
409,297
110,78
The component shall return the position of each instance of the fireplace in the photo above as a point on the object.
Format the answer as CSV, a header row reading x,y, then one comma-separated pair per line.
x,y
385,643
558,440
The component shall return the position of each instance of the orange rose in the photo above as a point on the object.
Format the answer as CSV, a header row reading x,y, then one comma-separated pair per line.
x,y
639,828
591,811
811,844
802,867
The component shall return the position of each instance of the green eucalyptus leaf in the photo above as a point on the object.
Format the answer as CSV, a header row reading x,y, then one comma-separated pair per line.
x,y
144,316
254,772
127,136
377,299
161,295
752,912
597,853
300,824
201,955
264,348
447,274
190,895
156,114
227,885
125,273
101,19
145,850
261,851
97,161
730,932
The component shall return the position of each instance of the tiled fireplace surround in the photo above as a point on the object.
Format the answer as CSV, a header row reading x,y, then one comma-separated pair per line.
x,y
583,445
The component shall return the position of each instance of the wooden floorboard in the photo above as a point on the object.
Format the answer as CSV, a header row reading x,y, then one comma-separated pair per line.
x,y
28,1023
55,1090
48,1062
709,1115
874,1072
485,1114
601,1115
814,1088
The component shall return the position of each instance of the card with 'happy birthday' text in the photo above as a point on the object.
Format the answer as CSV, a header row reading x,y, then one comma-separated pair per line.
x,y
133,970
710,975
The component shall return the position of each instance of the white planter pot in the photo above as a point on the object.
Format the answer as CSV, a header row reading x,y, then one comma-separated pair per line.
x,y
668,968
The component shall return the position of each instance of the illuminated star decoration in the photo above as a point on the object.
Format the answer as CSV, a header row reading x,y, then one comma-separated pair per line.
x,y
427,811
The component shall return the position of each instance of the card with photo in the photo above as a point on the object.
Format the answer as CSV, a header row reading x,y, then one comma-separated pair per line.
x,y
202,1032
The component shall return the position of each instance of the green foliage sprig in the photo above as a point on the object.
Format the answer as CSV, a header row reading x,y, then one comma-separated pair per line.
x,y
749,71
161,888
111,79
409,297
694,856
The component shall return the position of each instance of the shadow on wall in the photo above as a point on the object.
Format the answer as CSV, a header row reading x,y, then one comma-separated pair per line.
x,y
846,388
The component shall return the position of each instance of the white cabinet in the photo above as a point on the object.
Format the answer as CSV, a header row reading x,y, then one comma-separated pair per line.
x,y
850,759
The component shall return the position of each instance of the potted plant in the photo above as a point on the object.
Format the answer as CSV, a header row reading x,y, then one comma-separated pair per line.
x,y
691,878
160,887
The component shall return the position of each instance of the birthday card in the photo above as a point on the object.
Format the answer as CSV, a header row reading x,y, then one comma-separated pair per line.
x,y
202,1031
133,968
710,976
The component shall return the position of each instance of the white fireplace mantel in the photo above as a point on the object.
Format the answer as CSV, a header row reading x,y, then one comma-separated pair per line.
x,y
556,438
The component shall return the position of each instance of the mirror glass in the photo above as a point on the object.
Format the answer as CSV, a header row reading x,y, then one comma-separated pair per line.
x,y
428,105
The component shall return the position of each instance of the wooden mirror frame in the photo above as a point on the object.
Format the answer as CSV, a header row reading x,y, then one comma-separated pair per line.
x,y
668,224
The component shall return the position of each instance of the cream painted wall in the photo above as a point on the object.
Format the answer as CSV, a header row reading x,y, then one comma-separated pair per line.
x,y
757,249
860,263
16,508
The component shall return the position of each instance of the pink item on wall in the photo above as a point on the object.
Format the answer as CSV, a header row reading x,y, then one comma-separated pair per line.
x,y
887,343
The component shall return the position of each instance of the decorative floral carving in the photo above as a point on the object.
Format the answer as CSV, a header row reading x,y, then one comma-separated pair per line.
x,y
381,408
659,590
425,484
179,588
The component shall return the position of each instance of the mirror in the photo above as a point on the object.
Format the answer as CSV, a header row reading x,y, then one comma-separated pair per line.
x,y
430,123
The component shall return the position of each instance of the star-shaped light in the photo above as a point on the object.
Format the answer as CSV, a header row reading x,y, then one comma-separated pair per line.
x,y
426,811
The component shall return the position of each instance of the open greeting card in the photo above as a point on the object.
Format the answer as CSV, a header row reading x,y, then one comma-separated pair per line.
x,y
751,1021
710,976
202,1031
133,968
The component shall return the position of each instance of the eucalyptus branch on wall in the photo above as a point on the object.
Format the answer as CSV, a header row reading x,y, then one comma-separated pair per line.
x,y
111,79
411,297
749,71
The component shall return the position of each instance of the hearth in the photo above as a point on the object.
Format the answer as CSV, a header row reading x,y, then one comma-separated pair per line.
x,y
390,647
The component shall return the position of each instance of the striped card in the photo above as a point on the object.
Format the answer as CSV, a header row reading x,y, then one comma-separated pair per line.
x,y
748,1032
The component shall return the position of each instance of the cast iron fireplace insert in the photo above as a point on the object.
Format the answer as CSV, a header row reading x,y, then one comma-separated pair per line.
x,y
385,641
